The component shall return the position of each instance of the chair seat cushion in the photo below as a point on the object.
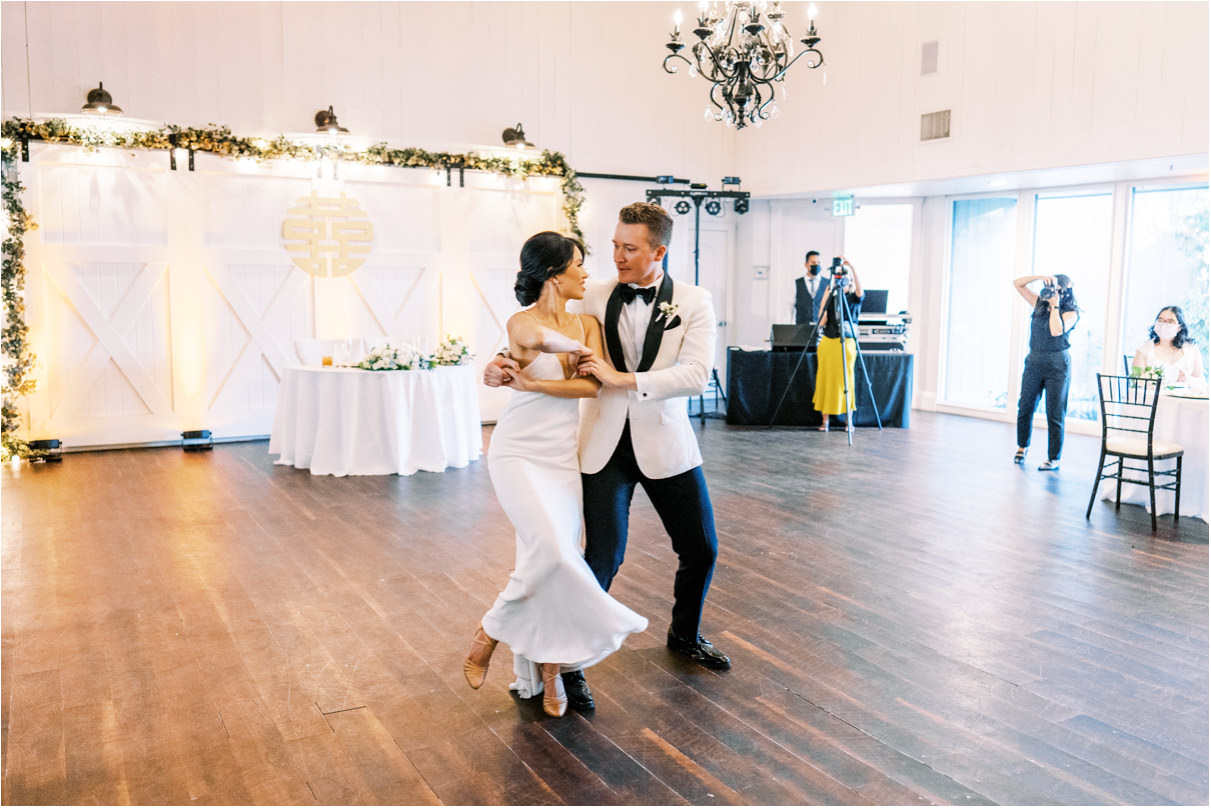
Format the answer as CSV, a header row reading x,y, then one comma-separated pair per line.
x,y
1138,447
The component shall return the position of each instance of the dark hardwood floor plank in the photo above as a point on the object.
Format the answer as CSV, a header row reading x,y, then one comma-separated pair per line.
x,y
35,769
386,770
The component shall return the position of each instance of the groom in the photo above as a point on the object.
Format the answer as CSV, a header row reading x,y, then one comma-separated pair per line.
x,y
660,335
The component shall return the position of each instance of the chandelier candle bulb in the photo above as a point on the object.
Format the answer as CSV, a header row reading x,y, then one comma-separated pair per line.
x,y
677,22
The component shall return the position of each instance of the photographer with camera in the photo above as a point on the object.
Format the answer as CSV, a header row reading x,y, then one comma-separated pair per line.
x,y
835,393
1048,366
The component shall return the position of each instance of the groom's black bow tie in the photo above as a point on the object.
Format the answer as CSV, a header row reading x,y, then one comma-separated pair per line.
x,y
629,293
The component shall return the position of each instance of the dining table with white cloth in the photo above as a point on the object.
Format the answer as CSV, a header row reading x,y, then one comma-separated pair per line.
x,y
347,421
1181,417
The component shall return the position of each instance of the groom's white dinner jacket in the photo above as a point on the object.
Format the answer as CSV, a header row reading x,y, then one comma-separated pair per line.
x,y
660,424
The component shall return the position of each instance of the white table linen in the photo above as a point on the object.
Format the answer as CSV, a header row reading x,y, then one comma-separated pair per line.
x,y
347,421
1184,421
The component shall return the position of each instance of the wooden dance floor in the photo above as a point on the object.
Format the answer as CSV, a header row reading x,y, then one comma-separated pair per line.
x,y
913,620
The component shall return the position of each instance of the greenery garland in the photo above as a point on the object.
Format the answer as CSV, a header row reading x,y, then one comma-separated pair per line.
x,y
19,359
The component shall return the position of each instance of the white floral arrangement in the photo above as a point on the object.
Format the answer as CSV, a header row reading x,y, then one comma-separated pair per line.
x,y
401,356
451,351
668,311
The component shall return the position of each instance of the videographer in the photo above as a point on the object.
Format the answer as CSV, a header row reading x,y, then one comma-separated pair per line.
x,y
833,376
1048,366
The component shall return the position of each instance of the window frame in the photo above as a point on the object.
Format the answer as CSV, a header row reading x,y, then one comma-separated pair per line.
x,y
1122,195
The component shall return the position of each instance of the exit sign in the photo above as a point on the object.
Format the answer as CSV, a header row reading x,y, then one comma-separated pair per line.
x,y
843,205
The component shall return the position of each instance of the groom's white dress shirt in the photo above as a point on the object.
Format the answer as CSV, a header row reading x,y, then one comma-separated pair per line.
x,y
633,325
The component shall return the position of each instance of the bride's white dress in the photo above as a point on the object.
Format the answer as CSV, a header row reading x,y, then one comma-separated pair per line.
x,y
553,609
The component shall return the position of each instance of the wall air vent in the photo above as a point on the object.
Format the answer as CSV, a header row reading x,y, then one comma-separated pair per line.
x,y
935,125
929,58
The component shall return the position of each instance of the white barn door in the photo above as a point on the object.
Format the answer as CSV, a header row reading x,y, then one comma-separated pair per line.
x,y
160,301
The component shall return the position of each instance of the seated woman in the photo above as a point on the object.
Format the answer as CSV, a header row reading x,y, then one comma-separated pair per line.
x,y
1170,348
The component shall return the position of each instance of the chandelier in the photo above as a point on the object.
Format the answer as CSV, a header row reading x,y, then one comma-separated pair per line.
x,y
742,49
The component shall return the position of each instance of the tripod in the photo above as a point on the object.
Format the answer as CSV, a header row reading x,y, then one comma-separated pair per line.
x,y
841,314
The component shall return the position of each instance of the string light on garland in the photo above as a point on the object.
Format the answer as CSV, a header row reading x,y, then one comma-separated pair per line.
x,y
18,358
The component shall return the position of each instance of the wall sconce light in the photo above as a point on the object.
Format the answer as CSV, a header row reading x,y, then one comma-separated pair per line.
x,y
46,451
325,122
196,440
100,102
175,150
516,138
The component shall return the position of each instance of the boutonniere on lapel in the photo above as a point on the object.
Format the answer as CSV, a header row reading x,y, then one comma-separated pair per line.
x,y
668,314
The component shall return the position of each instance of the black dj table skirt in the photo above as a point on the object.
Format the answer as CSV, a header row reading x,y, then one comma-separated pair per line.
x,y
757,379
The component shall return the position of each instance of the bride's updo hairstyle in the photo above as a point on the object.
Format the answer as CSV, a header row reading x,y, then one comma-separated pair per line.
x,y
543,256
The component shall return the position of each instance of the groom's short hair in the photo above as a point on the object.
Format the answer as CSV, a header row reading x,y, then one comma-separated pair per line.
x,y
659,222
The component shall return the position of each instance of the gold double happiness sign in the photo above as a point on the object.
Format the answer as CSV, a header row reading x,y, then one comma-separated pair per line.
x,y
333,234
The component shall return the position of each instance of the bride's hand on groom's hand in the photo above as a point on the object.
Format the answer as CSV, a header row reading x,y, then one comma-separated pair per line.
x,y
597,367
500,371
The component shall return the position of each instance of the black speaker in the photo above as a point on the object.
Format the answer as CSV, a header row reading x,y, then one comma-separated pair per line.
x,y
789,337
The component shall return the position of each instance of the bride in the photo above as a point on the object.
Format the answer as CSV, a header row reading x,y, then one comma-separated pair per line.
x,y
553,613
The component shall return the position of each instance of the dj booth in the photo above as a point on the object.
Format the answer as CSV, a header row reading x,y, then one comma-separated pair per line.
x,y
757,379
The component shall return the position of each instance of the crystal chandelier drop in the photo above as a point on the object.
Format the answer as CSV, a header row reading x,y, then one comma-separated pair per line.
x,y
742,49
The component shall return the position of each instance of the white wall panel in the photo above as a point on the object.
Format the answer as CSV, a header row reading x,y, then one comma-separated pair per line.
x,y
448,76
182,312
1030,85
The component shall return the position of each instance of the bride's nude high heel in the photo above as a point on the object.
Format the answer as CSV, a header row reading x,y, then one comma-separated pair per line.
x,y
554,697
473,671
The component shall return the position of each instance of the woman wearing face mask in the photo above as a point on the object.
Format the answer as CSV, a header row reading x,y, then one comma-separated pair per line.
x,y
1170,348
1048,366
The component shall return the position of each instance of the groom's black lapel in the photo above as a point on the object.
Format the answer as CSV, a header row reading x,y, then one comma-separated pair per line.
x,y
613,343
651,342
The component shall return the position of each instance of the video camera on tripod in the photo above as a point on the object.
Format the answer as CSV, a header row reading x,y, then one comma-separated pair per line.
x,y
839,273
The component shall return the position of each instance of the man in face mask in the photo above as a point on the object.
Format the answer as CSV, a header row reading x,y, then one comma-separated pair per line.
x,y
809,290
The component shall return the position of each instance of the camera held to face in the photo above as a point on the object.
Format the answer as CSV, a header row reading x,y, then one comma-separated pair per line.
x,y
1047,292
839,270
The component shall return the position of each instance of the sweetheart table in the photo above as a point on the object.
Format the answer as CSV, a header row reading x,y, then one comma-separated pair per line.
x,y
348,421
1183,420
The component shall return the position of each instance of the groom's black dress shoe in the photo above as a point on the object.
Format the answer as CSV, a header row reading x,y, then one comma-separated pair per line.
x,y
699,650
579,696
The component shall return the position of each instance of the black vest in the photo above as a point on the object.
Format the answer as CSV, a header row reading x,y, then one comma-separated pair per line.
x,y
805,305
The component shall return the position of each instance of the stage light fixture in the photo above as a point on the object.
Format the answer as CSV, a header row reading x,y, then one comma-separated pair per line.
x,y
48,450
196,440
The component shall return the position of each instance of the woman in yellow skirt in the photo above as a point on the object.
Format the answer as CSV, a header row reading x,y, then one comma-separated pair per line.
x,y
831,384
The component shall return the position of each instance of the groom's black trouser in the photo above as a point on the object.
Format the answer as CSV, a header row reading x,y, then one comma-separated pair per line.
x,y
684,507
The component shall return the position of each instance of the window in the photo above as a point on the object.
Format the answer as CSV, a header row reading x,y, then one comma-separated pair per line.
x,y
1072,237
1166,262
980,297
878,241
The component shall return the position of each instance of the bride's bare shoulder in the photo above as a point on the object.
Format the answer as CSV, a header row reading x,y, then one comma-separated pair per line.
x,y
590,323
